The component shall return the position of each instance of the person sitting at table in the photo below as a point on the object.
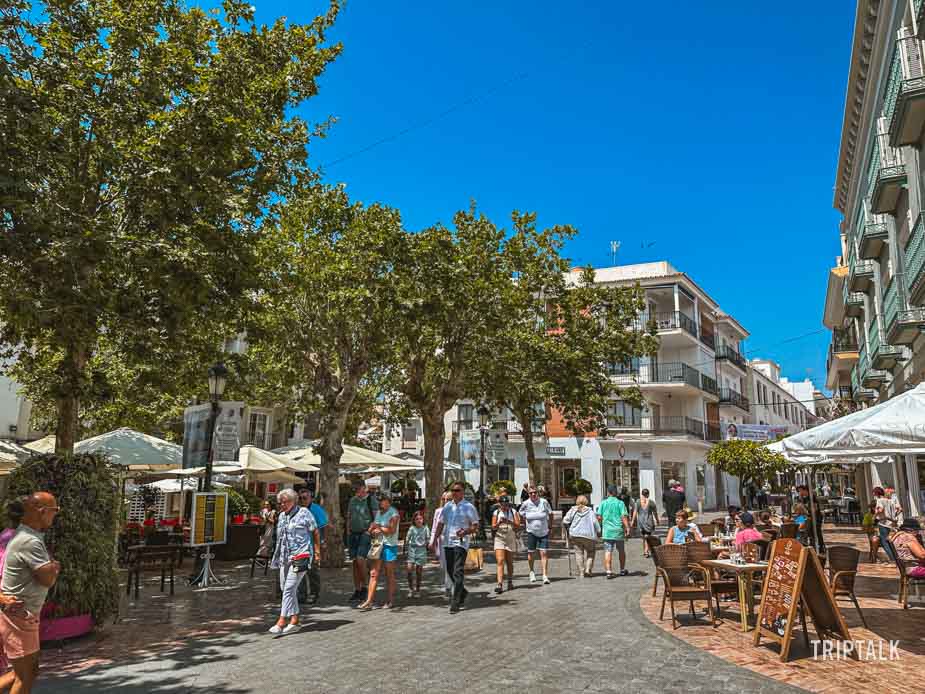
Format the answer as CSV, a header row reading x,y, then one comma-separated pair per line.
x,y
682,532
764,521
746,532
730,520
908,544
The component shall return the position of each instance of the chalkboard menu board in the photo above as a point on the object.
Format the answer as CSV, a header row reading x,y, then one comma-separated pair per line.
x,y
795,577
781,591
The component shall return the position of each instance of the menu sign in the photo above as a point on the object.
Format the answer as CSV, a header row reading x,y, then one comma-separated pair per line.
x,y
209,519
795,579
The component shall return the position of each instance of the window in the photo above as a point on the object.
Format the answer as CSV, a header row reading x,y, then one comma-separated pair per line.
x,y
257,428
623,414
464,415
409,437
625,475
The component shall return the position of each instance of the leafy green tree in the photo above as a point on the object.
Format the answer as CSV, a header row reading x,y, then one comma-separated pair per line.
x,y
325,319
451,284
141,148
560,335
750,461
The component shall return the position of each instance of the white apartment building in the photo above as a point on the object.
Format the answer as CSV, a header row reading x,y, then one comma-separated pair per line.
x,y
697,381
778,402
15,413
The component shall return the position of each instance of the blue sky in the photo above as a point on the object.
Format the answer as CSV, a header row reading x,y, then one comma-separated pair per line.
x,y
706,131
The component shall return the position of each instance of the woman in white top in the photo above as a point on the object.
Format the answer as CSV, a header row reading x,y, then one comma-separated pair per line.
x,y
504,522
583,529
384,527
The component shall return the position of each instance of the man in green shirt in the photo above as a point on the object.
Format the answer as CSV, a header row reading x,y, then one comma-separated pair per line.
x,y
359,518
614,528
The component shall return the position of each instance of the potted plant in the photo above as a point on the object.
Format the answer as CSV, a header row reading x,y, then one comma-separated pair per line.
x,y
81,538
578,486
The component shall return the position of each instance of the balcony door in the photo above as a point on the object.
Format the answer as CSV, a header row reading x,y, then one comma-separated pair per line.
x,y
257,428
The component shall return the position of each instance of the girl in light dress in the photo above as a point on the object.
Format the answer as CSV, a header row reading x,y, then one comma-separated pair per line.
x,y
416,542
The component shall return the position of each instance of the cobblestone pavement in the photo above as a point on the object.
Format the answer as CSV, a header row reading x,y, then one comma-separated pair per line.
x,y
573,635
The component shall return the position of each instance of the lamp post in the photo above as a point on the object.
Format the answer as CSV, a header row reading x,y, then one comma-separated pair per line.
x,y
484,415
218,378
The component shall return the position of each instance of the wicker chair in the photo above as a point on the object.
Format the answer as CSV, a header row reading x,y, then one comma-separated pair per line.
x,y
719,585
684,582
652,542
905,580
843,568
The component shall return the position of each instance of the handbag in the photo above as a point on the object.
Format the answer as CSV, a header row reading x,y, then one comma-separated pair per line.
x,y
375,548
475,559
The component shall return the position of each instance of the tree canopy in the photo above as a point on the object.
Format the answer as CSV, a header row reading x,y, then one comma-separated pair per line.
x,y
141,147
750,461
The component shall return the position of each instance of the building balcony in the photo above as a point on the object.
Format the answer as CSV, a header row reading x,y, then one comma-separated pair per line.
x,y
904,99
729,396
915,263
514,431
886,183
887,356
708,385
657,426
874,378
860,276
906,326
854,304
668,321
732,356
873,236
864,395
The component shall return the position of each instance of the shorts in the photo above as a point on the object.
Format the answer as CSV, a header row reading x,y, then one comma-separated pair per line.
x,y
613,545
645,533
359,544
537,543
389,553
505,539
20,635
417,556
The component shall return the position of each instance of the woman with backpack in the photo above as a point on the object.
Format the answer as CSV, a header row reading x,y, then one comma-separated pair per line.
x,y
645,517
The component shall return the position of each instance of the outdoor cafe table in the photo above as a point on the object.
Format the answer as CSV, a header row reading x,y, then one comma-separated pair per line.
x,y
743,574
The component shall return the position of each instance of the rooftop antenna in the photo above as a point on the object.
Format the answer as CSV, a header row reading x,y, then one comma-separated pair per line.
x,y
614,247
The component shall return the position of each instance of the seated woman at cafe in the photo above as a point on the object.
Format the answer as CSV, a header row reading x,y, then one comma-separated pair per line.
x,y
908,544
746,530
683,532
731,515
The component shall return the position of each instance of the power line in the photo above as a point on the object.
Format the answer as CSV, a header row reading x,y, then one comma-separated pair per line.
x,y
428,121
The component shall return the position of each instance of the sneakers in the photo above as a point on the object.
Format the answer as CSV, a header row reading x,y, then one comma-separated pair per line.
x,y
289,628
532,577
416,594
312,599
546,580
276,629
624,572
609,575
499,589
411,594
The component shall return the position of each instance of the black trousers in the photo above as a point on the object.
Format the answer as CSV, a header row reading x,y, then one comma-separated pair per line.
x,y
455,558
313,585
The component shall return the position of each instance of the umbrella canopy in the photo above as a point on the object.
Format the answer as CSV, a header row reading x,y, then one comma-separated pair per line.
x,y
896,426
43,445
177,486
131,449
13,454
354,456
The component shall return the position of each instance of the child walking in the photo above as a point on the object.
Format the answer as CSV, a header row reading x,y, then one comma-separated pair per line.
x,y
416,545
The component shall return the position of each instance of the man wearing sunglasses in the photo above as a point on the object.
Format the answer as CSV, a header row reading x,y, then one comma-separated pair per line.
x,y
458,522
537,514
28,573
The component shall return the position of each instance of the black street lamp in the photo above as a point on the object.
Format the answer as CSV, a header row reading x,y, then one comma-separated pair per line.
x,y
484,415
218,378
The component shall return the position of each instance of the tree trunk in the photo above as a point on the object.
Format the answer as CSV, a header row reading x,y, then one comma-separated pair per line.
x,y
434,432
72,371
331,451
526,425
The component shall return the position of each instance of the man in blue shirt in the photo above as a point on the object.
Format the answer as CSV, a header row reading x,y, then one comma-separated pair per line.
x,y
307,499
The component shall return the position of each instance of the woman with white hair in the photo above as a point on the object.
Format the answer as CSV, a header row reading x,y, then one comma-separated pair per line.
x,y
296,536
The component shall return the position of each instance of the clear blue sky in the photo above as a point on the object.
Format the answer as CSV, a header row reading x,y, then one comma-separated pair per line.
x,y
709,128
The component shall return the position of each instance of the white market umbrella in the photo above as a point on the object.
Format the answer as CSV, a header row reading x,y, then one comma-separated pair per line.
x,y
43,445
354,456
13,454
896,426
133,450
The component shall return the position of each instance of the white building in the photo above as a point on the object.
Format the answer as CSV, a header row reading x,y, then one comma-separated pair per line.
x,y
15,413
776,401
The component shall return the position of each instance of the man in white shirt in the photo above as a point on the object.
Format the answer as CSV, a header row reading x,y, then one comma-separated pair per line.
x,y
458,521
537,513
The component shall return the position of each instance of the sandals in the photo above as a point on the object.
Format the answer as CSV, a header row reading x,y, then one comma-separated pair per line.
x,y
366,606
499,589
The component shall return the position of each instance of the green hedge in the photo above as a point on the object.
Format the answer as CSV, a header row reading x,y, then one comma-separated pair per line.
x,y
84,532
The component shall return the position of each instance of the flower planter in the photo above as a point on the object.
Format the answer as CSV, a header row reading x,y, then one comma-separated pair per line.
x,y
61,628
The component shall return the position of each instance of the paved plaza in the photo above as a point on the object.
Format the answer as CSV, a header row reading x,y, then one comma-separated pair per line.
x,y
573,635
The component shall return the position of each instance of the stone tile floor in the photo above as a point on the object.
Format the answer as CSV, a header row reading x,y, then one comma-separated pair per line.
x,y
876,589
573,635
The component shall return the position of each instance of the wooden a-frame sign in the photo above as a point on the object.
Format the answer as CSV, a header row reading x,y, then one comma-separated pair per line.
x,y
794,576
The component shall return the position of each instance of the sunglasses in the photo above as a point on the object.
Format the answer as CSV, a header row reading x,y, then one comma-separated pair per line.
x,y
456,490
